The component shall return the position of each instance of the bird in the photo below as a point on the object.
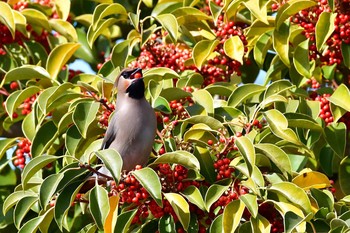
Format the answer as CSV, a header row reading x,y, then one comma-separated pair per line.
x,y
132,128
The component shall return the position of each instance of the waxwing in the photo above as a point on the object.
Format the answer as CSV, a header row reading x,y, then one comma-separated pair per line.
x,y
132,129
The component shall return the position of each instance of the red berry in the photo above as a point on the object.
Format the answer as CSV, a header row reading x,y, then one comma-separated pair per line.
x,y
14,85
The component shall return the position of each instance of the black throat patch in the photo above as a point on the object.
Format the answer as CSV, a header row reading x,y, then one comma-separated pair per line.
x,y
136,89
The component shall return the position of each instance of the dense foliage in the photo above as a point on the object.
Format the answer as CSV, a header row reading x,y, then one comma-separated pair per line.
x,y
230,155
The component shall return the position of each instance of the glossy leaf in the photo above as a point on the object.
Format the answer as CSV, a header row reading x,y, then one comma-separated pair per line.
x,y
246,148
213,193
43,138
244,92
64,202
260,224
188,15
37,18
234,48
25,72
101,26
345,51
202,51
279,126
149,179
63,8
124,221
35,165
112,160
13,199
17,98
194,196
99,205
65,29
7,18
335,135
169,23
294,194
291,8
277,156
301,59
183,158
341,97
22,208
33,224
344,172
5,144
48,188
324,28
291,221
232,215
59,57
206,164
167,224
84,115
181,208
104,10
324,198
261,47
250,201
203,98
280,42
120,53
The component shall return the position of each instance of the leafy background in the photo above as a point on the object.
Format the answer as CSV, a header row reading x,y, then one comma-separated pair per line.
x,y
230,155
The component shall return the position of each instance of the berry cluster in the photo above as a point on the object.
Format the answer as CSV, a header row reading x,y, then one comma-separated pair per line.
x,y
222,168
22,153
332,53
270,213
27,105
107,111
325,111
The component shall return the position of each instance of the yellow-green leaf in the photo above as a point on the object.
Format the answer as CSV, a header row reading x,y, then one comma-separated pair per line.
x,y
324,28
63,8
59,57
7,17
37,18
232,216
181,208
169,23
234,48
202,51
281,43
312,179
65,29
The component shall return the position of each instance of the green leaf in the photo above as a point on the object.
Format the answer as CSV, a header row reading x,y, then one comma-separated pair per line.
x,y
208,120
241,93
48,188
277,156
174,93
290,8
194,196
169,23
215,10
202,50
234,48
278,124
25,72
343,174
161,104
22,208
34,165
302,121
345,51
203,98
33,224
65,200
257,10
104,10
250,201
261,47
324,28
99,205
36,18
17,98
84,115
167,224
101,26
181,208
65,29
335,135
150,181
124,221
232,216
59,57
301,59
294,194
281,42
213,193
189,15
43,138
183,158
5,144
7,18
246,148
216,225
206,164
120,53
341,97
63,8
291,221
113,162
14,198
36,51
324,198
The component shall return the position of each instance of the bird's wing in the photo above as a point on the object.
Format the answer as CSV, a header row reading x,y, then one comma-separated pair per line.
x,y
111,132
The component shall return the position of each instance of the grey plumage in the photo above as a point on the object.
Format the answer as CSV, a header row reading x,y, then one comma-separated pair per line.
x,y
132,129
